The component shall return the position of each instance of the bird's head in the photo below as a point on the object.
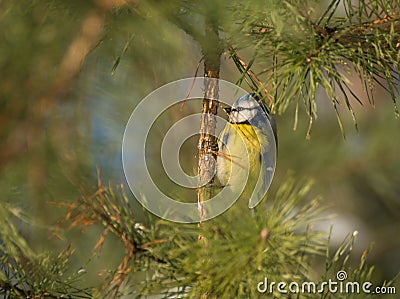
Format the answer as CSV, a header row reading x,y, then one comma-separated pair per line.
x,y
244,110
247,110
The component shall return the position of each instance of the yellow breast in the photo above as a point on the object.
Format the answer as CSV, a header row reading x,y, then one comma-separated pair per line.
x,y
239,155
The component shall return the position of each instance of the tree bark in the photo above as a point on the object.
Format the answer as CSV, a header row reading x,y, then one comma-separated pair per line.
x,y
207,146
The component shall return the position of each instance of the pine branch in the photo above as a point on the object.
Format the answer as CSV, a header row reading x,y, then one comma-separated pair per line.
x,y
26,274
251,78
338,262
306,53
113,212
212,51
230,257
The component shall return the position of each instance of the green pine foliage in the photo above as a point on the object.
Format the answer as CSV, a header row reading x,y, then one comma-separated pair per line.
x,y
226,258
25,273
300,48
355,277
288,52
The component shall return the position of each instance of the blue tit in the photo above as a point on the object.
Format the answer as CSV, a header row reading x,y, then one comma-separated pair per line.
x,y
247,150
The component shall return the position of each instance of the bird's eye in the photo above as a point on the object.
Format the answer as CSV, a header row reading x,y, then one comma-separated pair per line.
x,y
239,109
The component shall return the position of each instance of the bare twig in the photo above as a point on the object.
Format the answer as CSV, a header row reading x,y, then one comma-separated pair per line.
x,y
246,70
191,85
103,208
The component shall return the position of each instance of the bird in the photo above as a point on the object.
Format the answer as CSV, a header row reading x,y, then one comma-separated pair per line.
x,y
247,150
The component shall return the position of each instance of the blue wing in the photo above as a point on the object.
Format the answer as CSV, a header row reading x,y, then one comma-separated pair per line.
x,y
267,167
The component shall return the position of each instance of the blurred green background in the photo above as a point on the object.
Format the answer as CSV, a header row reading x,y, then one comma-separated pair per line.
x,y
60,120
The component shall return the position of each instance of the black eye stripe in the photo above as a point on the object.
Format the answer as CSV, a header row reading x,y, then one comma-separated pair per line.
x,y
238,109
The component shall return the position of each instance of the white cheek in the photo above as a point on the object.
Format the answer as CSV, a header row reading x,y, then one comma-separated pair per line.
x,y
237,117
253,113
233,116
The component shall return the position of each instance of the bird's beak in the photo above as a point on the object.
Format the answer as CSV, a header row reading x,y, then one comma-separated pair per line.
x,y
228,110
